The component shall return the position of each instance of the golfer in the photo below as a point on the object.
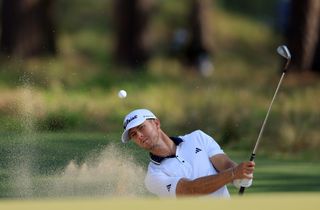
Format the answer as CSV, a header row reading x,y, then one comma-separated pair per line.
x,y
191,164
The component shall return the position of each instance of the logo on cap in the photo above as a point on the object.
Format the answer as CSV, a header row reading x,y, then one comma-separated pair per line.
x,y
129,120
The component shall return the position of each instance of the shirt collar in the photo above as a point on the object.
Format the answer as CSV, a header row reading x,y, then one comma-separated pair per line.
x,y
157,159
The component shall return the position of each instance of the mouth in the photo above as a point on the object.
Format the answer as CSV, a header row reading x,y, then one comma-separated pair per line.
x,y
144,141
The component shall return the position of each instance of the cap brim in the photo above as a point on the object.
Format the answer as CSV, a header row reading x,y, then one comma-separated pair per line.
x,y
125,135
125,138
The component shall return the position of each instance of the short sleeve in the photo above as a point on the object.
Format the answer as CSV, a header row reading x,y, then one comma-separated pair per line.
x,y
212,147
161,184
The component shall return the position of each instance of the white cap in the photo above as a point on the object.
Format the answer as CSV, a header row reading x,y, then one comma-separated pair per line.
x,y
133,119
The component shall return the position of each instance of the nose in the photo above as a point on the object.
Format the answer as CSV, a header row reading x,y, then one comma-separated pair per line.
x,y
139,136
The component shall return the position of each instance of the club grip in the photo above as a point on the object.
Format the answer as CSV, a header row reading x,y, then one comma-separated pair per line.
x,y
241,191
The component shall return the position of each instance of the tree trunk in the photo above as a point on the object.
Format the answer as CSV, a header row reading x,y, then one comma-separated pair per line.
x,y
303,33
316,58
27,28
199,47
131,20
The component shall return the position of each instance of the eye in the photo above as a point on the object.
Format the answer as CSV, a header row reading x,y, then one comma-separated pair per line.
x,y
132,134
141,127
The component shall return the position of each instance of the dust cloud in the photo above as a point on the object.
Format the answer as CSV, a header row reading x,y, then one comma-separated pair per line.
x,y
111,174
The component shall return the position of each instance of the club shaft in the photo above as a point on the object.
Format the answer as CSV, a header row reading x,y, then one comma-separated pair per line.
x,y
241,191
267,115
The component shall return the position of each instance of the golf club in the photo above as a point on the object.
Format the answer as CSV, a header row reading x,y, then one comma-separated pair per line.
x,y
284,52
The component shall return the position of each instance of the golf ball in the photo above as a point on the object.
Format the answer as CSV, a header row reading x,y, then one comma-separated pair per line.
x,y
122,94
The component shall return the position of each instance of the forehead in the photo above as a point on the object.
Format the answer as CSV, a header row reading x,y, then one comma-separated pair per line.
x,y
134,128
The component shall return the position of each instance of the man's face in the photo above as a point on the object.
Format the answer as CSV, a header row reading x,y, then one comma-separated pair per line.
x,y
146,134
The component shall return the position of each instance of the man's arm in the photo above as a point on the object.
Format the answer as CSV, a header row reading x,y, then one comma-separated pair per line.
x,y
204,185
227,172
222,162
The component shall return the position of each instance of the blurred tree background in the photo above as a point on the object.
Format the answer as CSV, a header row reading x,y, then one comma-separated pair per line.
x,y
198,64
75,55
27,28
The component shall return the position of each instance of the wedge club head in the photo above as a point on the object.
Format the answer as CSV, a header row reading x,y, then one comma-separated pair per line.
x,y
285,53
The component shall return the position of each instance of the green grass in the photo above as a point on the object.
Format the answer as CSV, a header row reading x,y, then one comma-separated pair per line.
x,y
68,104
278,175
43,157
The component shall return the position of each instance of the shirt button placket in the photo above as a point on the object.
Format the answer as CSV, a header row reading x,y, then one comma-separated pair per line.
x,y
180,159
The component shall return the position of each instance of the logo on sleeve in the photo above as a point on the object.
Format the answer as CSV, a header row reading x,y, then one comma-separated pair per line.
x,y
198,150
168,187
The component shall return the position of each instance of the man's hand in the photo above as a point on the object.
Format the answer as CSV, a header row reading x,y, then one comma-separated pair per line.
x,y
243,174
244,170
242,183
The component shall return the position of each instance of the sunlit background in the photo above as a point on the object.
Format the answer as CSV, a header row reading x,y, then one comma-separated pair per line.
x,y
197,64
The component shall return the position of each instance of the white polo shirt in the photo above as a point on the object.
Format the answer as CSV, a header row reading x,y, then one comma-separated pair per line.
x,y
191,161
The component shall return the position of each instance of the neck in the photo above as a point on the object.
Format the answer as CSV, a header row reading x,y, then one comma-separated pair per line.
x,y
165,146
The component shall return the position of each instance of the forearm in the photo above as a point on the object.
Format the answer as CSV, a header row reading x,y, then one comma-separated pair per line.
x,y
222,162
208,184
204,185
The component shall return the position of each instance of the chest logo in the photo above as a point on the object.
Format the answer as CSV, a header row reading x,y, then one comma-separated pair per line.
x,y
198,150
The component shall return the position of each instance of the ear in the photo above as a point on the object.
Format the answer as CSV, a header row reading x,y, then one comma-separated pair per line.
x,y
157,122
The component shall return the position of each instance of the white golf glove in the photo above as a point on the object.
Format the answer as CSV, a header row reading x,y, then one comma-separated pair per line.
x,y
242,182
